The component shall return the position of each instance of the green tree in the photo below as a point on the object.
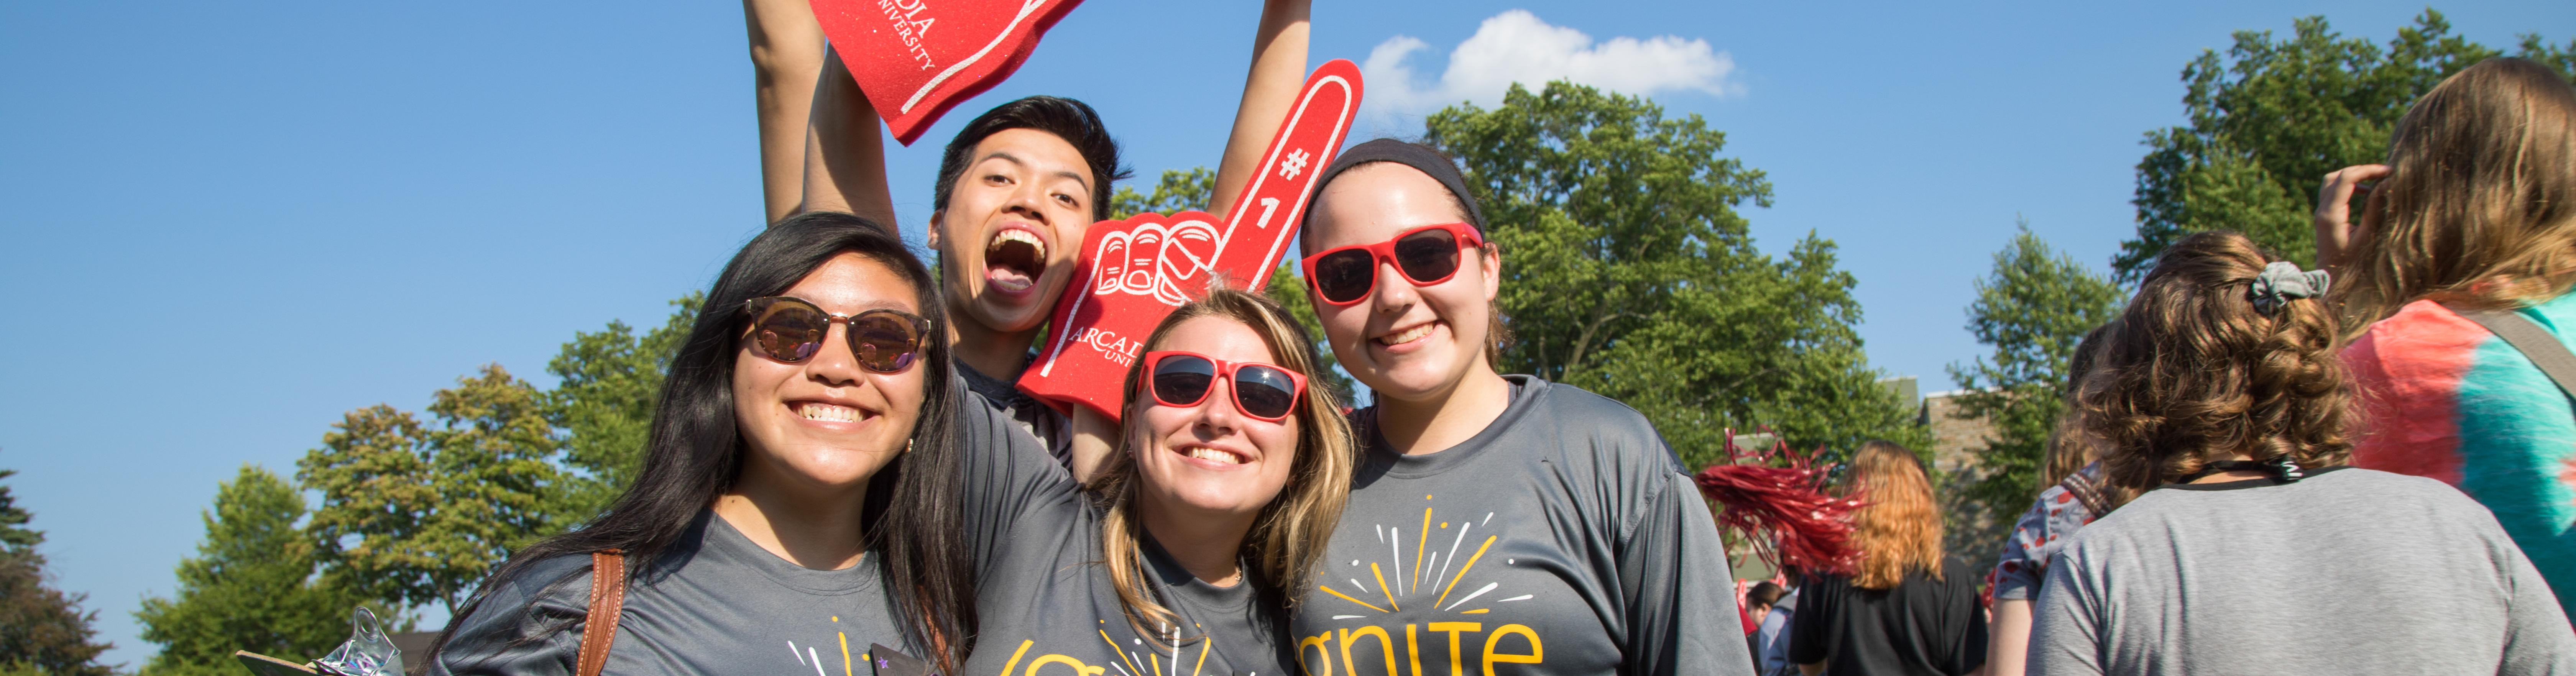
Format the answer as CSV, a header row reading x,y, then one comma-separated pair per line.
x,y
604,403
254,585
1189,190
15,536
1178,191
2032,309
414,514
42,629
2271,117
1629,272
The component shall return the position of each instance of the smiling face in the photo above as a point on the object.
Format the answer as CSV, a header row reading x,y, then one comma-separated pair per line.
x,y
1406,342
1008,233
827,423
1211,459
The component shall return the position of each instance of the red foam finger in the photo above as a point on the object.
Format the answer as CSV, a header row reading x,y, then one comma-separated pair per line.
x,y
918,58
1133,272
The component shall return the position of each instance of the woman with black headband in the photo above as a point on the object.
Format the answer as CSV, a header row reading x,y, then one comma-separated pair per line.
x,y
1494,520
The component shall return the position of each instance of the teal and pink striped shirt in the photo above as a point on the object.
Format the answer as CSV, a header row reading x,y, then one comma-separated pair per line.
x,y
2442,397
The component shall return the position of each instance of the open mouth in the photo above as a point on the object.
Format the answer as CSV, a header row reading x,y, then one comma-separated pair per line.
x,y
1014,259
1214,455
827,412
1418,332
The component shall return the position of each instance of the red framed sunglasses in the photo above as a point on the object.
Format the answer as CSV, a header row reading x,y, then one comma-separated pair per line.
x,y
1426,255
1261,391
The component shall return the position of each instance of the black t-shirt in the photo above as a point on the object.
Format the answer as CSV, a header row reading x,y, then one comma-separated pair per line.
x,y
1923,626
1052,430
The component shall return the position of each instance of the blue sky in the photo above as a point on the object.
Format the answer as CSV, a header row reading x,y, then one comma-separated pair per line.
x,y
223,225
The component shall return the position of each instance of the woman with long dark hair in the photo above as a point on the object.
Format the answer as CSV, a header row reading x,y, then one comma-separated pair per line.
x,y
1181,554
1909,609
1496,520
798,497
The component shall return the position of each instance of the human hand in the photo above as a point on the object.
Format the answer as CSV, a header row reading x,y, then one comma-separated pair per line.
x,y
2335,231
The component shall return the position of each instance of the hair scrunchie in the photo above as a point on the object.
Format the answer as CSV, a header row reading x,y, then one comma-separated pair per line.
x,y
2283,281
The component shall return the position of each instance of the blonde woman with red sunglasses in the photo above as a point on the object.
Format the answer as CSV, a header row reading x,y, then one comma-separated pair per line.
x,y
1186,547
1499,524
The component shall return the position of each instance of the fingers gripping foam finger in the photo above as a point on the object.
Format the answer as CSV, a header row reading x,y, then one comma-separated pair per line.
x,y
918,58
1133,272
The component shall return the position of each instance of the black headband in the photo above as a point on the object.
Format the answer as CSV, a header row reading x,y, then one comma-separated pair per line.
x,y
1421,158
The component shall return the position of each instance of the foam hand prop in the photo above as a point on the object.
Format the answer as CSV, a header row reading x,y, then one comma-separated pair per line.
x,y
1134,272
918,58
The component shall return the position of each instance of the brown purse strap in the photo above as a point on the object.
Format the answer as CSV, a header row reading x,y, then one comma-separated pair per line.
x,y
2534,341
607,600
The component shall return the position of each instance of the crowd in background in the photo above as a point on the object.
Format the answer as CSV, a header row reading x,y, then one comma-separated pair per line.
x,y
2367,468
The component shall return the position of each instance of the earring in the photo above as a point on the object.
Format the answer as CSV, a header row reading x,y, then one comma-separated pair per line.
x,y
907,445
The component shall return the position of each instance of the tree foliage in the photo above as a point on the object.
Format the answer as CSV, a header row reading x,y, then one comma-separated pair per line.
x,y
253,585
2032,309
1628,271
15,536
1178,191
415,514
2271,117
611,380
42,629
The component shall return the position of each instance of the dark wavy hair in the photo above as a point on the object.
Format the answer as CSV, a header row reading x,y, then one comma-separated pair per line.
x,y
1068,119
2195,374
695,448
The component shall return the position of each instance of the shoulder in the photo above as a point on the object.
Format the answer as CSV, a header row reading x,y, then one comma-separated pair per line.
x,y
1601,424
2416,492
522,625
1960,579
563,576
2421,335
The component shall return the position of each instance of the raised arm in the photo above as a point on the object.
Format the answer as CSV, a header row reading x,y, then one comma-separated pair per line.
x,y
1269,91
786,53
845,167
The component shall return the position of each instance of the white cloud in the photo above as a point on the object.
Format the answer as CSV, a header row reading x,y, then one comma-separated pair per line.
x,y
1515,46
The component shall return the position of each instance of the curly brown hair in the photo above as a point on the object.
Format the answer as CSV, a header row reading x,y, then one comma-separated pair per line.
x,y
2195,374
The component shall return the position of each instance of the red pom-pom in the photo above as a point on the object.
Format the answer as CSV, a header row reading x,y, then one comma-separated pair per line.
x,y
1777,499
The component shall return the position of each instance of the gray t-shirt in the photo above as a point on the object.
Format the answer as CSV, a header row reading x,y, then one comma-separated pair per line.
x,y
1565,538
1044,598
1052,430
715,603
2350,571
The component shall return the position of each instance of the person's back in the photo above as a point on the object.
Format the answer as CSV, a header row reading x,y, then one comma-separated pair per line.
x,y
2475,210
2449,400
2346,571
2253,548
1921,626
1904,608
